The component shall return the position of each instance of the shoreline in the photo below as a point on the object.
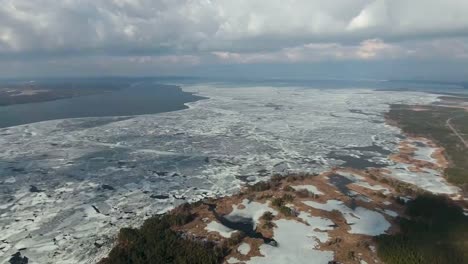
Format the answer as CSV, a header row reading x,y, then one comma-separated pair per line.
x,y
379,193
215,122
43,111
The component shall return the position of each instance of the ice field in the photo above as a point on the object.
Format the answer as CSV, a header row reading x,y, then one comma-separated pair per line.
x,y
68,186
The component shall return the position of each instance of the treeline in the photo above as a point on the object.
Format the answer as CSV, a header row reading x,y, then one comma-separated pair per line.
x,y
435,232
155,242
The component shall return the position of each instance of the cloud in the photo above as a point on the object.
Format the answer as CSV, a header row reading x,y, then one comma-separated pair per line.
x,y
165,60
152,27
372,16
38,37
371,49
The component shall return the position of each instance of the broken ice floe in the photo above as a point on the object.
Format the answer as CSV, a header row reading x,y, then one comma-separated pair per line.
x,y
210,149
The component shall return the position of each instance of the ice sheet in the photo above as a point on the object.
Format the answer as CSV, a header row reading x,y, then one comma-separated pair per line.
x,y
97,175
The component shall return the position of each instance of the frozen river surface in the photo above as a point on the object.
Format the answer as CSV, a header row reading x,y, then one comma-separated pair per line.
x,y
67,186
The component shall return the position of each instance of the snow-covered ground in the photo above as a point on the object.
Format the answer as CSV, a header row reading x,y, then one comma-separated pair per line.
x,y
310,188
220,229
428,179
423,151
359,180
296,243
244,248
319,226
249,210
361,220
93,176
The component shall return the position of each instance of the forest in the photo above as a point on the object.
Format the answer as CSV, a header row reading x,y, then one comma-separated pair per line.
x,y
157,243
434,231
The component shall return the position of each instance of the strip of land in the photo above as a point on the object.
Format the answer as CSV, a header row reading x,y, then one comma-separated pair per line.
x,y
35,92
446,125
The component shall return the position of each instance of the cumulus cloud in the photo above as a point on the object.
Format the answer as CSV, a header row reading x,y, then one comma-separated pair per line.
x,y
374,15
367,50
189,26
119,36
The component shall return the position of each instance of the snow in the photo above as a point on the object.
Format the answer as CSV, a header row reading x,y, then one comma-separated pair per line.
x,y
220,229
373,187
362,198
428,179
310,188
233,260
208,150
361,181
251,210
391,213
296,243
361,220
319,226
423,151
10,180
244,248
351,176
406,199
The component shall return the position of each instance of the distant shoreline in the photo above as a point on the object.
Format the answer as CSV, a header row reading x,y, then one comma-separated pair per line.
x,y
110,101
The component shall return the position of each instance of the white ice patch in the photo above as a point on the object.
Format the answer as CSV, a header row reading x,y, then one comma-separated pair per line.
x,y
233,260
352,176
423,151
391,213
361,220
319,226
244,248
251,210
296,243
361,181
429,180
310,188
220,229
373,187
406,199
10,180
362,198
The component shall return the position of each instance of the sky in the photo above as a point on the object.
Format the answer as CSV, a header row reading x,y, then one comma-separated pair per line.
x,y
320,39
